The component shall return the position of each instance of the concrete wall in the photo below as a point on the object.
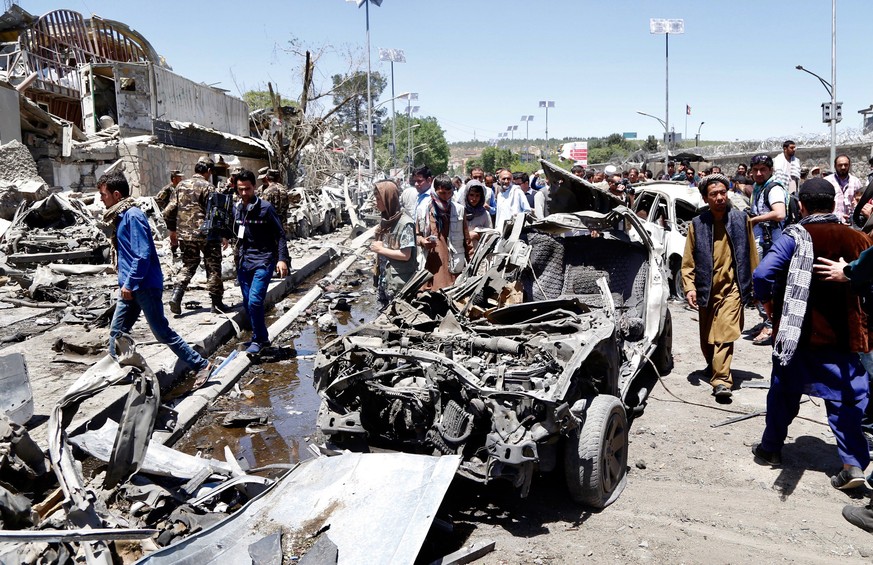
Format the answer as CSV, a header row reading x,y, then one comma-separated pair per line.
x,y
810,157
147,165
10,116
182,100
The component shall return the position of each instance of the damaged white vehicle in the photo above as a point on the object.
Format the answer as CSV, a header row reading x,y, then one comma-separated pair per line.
x,y
536,357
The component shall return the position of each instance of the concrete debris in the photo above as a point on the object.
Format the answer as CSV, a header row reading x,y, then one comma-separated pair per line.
x,y
327,322
16,402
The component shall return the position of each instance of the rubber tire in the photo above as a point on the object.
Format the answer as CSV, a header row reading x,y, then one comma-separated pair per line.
x,y
304,230
663,355
676,283
595,462
327,225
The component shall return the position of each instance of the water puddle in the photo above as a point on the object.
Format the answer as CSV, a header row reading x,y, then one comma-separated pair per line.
x,y
281,384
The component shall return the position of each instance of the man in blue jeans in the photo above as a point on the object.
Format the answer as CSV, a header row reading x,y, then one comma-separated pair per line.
x,y
140,279
261,248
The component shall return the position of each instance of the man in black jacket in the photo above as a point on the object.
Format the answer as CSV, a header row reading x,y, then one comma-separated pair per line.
x,y
261,249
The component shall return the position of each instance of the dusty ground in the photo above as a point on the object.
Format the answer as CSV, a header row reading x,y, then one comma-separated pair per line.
x,y
700,498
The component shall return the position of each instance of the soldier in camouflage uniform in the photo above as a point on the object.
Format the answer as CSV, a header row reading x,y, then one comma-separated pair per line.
x,y
263,183
169,191
277,195
184,218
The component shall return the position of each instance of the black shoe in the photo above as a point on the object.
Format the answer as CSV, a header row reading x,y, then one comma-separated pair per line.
x,y
861,516
764,457
175,303
852,477
722,391
219,307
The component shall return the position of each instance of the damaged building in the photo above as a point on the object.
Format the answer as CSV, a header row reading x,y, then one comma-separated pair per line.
x,y
90,92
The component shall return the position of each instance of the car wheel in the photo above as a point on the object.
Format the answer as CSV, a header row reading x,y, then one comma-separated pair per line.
x,y
304,229
676,282
595,464
327,224
663,355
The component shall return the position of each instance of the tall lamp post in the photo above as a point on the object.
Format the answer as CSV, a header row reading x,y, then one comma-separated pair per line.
x,y
369,90
527,120
659,26
547,104
666,136
394,56
511,130
409,111
697,137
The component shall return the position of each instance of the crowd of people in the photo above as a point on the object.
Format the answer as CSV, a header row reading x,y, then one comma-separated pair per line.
x,y
788,239
811,276
253,224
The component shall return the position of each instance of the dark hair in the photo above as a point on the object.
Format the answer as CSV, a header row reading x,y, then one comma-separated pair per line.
x,y
648,174
841,155
476,168
273,174
523,177
816,203
787,143
424,171
115,182
740,179
589,174
246,175
577,169
762,159
202,167
442,181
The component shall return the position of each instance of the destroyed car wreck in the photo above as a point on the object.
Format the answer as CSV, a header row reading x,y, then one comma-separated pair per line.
x,y
536,355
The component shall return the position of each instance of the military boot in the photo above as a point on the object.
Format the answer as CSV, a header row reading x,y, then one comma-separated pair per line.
x,y
218,307
175,303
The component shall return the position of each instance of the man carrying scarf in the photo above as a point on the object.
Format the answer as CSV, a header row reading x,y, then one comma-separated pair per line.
x,y
820,330
140,279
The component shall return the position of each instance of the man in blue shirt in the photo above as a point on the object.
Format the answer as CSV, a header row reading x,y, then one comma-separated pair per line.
x,y
261,248
140,279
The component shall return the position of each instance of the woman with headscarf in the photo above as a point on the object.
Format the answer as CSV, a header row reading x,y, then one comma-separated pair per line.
x,y
394,243
474,210
445,236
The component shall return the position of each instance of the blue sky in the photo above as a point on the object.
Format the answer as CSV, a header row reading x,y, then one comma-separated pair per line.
x,y
479,65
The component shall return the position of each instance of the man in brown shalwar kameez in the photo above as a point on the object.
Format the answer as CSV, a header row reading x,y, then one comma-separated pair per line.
x,y
720,256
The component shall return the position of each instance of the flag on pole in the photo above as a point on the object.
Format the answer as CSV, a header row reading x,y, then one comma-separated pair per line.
x,y
687,110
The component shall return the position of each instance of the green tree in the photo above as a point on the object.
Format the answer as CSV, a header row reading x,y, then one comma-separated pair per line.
x,y
260,100
428,142
350,92
651,143
495,157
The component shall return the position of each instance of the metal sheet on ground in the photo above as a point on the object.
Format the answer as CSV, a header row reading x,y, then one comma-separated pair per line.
x,y
378,506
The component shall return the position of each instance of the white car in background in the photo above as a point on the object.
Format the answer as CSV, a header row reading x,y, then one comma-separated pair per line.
x,y
667,208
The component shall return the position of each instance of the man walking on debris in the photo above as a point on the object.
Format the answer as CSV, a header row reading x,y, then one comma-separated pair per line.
x,y
820,331
412,197
261,248
717,267
184,219
140,279
169,191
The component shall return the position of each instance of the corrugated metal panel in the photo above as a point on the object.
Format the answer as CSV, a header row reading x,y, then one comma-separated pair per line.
x,y
183,100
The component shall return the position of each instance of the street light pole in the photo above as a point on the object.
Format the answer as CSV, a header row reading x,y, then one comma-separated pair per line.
x,y
394,56
697,137
666,137
832,120
547,104
833,82
658,26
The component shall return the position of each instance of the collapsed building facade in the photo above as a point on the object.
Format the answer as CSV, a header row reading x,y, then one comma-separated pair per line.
x,y
86,94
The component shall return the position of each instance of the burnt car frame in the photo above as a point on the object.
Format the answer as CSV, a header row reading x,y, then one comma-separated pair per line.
x,y
534,358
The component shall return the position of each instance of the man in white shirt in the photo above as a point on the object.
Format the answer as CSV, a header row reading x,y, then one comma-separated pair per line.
x,y
411,198
786,167
846,186
510,201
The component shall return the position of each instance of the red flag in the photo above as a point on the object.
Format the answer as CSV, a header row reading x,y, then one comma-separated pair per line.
x,y
688,109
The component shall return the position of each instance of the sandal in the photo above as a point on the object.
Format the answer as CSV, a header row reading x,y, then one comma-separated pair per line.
x,y
764,338
202,375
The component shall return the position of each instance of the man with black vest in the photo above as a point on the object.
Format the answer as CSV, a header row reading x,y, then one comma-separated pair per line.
x,y
720,256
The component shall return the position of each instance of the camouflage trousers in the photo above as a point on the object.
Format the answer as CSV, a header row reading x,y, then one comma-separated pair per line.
x,y
191,251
